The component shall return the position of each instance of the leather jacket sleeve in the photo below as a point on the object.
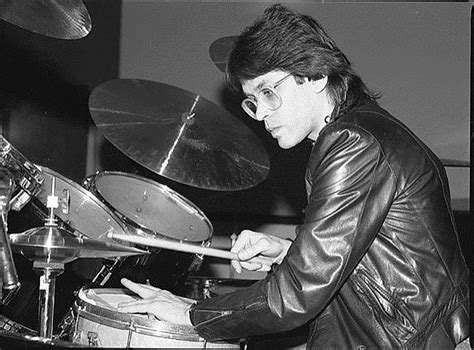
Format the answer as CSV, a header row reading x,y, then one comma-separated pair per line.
x,y
350,189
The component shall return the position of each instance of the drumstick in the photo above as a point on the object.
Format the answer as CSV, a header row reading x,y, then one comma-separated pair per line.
x,y
182,247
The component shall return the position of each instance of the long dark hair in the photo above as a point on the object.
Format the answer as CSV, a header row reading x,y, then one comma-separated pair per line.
x,y
285,40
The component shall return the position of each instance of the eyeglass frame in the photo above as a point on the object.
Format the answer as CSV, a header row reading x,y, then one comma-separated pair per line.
x,y
255,100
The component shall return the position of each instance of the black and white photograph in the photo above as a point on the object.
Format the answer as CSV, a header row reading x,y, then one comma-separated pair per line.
x,y
236,174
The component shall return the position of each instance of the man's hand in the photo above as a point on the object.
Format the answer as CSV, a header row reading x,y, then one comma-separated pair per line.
x,y
161,303
258,251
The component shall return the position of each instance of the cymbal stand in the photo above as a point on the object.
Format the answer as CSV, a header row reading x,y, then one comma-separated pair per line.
x,y
47,286
49,269
48,261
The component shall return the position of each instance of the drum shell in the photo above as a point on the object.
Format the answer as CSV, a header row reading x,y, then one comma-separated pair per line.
x,y
102,326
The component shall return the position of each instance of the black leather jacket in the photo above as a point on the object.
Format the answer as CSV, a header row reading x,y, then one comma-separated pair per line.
x,y
377,262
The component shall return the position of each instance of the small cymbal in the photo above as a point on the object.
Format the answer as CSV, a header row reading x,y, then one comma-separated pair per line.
x,y
219,51
62,19
179,135
53,244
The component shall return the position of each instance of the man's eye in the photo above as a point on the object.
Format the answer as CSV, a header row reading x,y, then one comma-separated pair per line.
x,y
266,92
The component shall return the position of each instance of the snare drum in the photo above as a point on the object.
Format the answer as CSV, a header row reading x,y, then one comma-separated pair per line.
x,y
98,323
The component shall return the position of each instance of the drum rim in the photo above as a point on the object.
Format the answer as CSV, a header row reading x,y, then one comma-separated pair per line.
x,y
130,322
89,195
91,181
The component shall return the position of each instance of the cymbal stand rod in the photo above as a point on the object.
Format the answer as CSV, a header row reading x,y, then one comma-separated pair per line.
x,y
47,286
52,203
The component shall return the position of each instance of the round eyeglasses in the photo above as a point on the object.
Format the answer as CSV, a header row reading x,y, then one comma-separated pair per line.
x,y
267,96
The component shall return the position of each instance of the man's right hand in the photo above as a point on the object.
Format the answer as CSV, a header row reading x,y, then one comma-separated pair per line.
x,y
258,251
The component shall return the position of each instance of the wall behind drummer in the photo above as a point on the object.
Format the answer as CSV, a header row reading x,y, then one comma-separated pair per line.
x,y
377,262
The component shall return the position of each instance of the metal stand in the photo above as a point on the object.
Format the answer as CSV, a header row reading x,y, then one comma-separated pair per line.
x,y
47,286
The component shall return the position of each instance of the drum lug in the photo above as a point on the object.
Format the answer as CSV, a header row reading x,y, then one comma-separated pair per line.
x,y
93,338
86,183
198,258
66,324
106,271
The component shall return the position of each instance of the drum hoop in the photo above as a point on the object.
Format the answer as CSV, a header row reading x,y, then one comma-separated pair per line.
x,y
89,195
195,209
136,324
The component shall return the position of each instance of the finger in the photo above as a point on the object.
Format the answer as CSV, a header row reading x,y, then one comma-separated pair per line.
x,y
233,238
236,265
134,306
143,290
251,251
251,266
243,240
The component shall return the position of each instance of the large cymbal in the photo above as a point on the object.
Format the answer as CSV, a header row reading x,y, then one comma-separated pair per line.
x,y
179,135
62,19
220,50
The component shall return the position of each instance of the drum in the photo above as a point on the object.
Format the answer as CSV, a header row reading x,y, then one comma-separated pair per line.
x,y
147,206
79,210
150,208
98,323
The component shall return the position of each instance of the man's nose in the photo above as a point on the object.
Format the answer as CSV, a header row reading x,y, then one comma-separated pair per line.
x,y
261,113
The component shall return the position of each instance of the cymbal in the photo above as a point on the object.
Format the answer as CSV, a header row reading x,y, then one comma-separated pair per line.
x,y
62,19
219,51
55,245
455,163
179,135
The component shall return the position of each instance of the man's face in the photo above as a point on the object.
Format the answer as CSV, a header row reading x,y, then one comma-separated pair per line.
x,y
302,109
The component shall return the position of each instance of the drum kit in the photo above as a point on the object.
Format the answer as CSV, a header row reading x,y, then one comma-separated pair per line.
x,y
115,215
130,223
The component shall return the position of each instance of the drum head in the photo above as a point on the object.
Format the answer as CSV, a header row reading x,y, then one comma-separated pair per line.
x,y
152,206
87,214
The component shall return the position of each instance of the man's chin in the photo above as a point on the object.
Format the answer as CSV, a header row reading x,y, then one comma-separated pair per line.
x,y
284,145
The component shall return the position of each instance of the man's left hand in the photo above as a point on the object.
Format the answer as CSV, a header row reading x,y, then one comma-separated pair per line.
x,y
161,303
